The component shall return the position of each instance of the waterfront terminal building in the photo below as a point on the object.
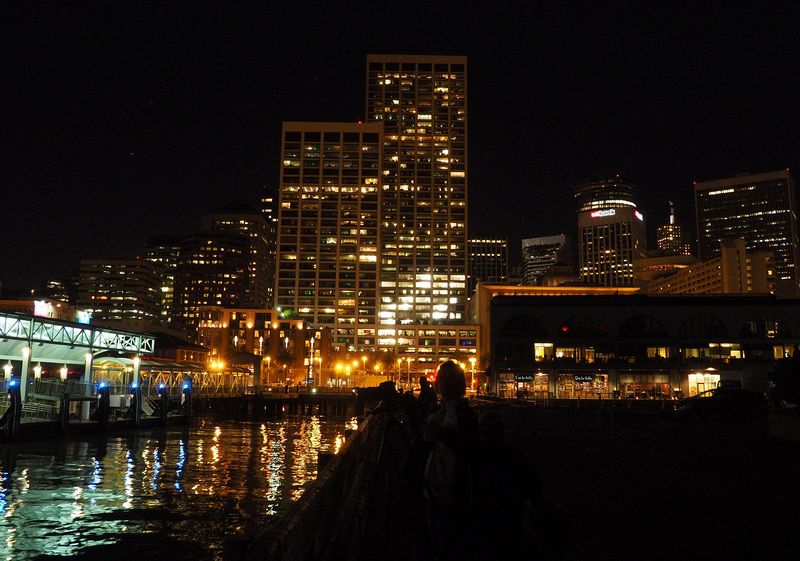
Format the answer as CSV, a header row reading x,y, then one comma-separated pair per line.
x,y
580,342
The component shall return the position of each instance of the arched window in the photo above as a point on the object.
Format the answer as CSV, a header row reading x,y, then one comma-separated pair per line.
x,y
523,327
703,327
642,327
762,327
582,326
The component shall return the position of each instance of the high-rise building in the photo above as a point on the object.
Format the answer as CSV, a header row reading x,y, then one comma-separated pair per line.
x,y
758,208
540,255
328,217
422,103
611,232
734,271
248,222
670,237
269,211
163,252
212,270
119,290
488,261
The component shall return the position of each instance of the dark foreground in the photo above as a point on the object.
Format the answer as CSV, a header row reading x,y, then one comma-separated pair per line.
x,y
651,491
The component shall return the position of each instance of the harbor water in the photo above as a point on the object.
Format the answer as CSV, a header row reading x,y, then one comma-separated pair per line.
x,y
169,493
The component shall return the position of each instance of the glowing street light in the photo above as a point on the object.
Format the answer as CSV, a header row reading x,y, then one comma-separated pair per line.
x,y
269,361
472,373
37,371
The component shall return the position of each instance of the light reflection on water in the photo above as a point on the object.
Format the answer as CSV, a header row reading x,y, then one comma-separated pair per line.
x,y
173,493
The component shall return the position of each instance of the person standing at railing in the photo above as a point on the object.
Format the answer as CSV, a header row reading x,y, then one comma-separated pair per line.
x,y
452,432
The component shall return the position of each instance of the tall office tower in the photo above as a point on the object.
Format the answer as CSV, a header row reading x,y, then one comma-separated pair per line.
x,y
488,261
611,232
212,271
270,214
670,237
248,222
163,252
541,255
328,218
422,103
758,208
119,290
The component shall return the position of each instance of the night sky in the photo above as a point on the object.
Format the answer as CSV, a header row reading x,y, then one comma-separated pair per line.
x,y
121,120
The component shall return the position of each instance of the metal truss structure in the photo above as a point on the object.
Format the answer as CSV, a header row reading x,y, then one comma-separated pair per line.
x,y
41,330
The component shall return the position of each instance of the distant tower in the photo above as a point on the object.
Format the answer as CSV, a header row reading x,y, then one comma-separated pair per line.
x,y
540,255
671,240
488,261
270,213
758,208
611,232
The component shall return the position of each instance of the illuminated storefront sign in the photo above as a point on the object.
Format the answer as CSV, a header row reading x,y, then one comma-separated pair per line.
x,y
601,213
584,378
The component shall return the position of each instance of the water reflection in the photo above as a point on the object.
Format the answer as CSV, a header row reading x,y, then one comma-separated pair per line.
x,y
146,489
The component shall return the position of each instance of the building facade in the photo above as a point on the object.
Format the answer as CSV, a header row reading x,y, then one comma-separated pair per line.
x,y
542,255
758,208
611,232
635,346
735,271
328,220
488,261
212,271
670,237
249,223
422,103
119,290
269,211
164,252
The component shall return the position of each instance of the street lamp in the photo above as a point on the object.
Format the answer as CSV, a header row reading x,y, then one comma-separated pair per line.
x,y
269,361
472,374
364,368
408,372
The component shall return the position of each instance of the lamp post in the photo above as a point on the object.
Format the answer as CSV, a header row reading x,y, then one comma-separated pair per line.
x,y
364,369
472,374
408,371
269,360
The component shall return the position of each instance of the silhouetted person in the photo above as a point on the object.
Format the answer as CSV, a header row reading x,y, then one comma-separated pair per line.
x,y
425,404
426,401
452,431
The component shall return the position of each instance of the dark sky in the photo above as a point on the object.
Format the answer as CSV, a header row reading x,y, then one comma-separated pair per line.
x,y
121,120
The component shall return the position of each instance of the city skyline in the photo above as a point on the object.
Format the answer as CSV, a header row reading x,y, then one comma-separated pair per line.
x,y
144,127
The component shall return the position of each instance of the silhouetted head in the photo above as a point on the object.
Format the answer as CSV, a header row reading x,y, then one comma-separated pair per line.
x,y
424,383
450,380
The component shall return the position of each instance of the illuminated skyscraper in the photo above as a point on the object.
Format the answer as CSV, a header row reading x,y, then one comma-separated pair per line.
x,y
270,213
250,223
488,261
422,103
541,255
328,215
670,237
119,290
758,208
611,232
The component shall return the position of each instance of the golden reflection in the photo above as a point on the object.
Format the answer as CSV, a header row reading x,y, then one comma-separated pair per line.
x,y
259,467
